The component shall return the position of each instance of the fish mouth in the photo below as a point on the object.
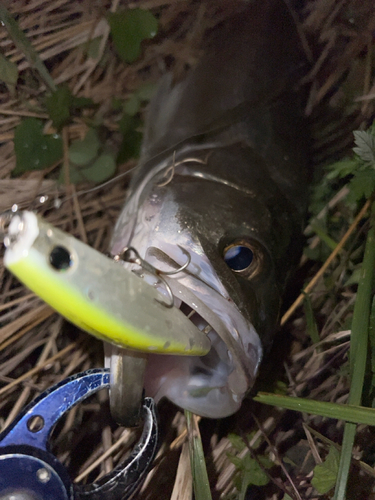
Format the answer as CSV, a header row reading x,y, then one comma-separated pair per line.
x,y
213,385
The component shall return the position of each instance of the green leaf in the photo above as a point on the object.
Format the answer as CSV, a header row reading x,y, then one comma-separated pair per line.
x,y
132,138
342,168
281,387
143,93
102,169
146,91
311,325
61,104
236,461
34,150
236,441
129,29
8,73
318,228
128,123
81,103
371,334
322,193
117,104
132,105
251,470
130,146
265,461
85,151
289,461
58,106
362,185
354,277
365,142
325,474
253,473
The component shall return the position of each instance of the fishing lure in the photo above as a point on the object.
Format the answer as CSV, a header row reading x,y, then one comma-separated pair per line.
x,y
94,292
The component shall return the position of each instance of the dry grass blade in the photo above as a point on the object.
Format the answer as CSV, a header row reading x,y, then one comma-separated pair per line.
x,y
72,40
183,486
38,368
110,451
327,263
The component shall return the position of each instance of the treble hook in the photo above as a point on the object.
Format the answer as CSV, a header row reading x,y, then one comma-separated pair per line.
x,y
154,271
5,220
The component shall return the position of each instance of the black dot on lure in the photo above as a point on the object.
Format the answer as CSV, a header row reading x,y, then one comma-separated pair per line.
x,y
60,258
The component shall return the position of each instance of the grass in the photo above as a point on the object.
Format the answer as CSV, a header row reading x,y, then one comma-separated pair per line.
x,y
276,451
197,460
358,353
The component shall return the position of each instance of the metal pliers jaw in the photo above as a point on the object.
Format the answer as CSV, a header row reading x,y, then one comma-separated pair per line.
x,y
29,471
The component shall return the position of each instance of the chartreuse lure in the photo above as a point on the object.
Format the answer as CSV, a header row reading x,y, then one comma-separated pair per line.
x,y
94,292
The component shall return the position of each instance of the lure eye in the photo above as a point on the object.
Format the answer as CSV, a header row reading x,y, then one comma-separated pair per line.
x,y
238,257
60,258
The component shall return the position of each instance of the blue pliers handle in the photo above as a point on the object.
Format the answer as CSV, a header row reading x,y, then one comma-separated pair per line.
x,y
29,471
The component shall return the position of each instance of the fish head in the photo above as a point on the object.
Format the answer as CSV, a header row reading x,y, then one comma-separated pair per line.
x,y
224,219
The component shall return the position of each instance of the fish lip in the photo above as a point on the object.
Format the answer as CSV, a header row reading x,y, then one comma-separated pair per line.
x,y
245,358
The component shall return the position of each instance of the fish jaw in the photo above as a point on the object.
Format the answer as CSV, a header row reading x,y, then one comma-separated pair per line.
x,y
213,385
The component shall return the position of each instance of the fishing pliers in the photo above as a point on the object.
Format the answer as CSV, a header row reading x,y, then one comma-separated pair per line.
x,y
28,469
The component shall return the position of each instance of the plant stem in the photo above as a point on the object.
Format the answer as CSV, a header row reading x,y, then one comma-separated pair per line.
x,y
358,353
198,464
24,45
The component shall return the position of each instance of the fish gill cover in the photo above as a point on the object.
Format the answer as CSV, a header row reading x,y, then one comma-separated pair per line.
x,y
80,103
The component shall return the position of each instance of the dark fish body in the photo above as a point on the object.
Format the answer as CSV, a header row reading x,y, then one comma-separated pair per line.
x,y
223,169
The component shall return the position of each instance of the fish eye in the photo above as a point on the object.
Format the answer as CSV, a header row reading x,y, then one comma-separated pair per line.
x,y
60,258
238,257
242,258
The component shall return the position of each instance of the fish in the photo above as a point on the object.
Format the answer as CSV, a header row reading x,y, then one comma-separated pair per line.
x,y
223,176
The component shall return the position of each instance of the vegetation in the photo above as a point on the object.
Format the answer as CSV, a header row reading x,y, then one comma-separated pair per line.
x,y
73,95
